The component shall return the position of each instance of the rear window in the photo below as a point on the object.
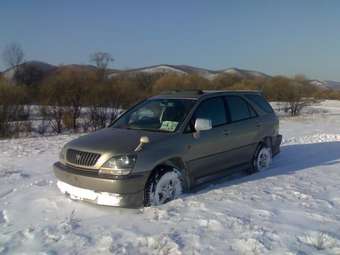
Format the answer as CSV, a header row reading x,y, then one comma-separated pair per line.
x,y
260,102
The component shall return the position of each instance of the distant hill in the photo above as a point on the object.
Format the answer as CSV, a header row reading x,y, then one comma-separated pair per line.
x,y
186,69
77,67
167,69
333,84
45,69
326,84
41,70
35,71
245,73
38,66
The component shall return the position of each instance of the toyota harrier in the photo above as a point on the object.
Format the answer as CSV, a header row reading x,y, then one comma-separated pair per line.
x,y
167,145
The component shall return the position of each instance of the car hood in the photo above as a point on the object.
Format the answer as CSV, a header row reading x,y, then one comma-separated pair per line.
x,y
114,141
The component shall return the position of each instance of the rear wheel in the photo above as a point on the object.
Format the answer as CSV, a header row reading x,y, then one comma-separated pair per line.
x,y
262,159
163,186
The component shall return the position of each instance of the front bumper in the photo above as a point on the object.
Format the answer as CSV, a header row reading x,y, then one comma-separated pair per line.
x,y
127,191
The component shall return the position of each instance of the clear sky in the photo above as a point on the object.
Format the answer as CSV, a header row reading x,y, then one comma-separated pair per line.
x,y
274,36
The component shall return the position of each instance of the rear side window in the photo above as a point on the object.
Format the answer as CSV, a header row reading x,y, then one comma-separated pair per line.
x,y
260,102
239,109
212,109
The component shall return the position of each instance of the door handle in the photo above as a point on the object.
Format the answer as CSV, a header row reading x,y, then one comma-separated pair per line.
x,y
226,132
258,125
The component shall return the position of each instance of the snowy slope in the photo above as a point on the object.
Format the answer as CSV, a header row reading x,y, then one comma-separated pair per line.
x,y
186,69
326,84
292,208
171,69
244,73
161,69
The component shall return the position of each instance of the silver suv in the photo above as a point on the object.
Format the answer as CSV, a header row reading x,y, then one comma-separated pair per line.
x,y
168,144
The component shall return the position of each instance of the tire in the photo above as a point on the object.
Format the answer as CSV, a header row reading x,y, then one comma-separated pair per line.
x,y
163,186
261,159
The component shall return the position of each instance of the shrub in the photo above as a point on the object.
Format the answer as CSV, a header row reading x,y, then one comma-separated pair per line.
x,y
63,96
12,99
180,82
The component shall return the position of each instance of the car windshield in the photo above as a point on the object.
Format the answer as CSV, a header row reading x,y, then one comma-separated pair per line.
x,y
161,115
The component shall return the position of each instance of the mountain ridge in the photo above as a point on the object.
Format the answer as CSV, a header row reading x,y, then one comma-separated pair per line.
x,y
45,68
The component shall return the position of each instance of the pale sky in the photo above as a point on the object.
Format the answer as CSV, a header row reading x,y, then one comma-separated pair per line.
x,y
276,37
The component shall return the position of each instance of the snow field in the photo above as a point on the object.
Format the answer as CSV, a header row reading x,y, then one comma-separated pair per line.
x,y
292,208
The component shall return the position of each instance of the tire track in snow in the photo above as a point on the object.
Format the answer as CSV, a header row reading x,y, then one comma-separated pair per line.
x,y
6,193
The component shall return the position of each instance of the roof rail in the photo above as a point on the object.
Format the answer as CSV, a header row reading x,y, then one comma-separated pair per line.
x,y
183,92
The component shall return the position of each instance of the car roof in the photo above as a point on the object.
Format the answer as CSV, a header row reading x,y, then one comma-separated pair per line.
x,y
198,94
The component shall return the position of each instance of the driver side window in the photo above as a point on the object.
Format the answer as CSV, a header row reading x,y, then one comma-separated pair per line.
x,y
212,109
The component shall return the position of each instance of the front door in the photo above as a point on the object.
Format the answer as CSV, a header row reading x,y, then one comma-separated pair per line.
x,y
206,149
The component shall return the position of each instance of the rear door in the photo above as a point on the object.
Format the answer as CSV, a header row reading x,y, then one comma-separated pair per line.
x,y
242,131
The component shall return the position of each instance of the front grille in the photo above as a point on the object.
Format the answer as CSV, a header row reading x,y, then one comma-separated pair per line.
x,y
82,158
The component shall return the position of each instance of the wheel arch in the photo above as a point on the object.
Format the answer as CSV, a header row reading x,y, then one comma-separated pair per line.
x,y
177,163
267,141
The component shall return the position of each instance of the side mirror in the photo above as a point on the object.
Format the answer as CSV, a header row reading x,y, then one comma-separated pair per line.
x,y
203,124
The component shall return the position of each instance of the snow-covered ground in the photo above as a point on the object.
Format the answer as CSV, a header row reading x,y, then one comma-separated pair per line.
x,y
292,208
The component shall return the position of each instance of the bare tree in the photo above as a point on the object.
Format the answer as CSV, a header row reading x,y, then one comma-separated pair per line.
x,y
101,60
13,55
12,99
52,101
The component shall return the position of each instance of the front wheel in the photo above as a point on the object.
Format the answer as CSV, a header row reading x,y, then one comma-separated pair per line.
x,y
165,185
262,159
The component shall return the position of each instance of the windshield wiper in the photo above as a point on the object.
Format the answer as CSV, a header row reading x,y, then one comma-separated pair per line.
x,y
151,130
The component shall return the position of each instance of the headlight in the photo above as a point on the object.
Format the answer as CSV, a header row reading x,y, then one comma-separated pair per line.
x,y
62,155
119,165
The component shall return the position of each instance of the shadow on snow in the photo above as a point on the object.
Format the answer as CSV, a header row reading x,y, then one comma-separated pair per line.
x,y
292,158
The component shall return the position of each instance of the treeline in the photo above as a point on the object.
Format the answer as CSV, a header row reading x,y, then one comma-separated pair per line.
x,y
81,101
